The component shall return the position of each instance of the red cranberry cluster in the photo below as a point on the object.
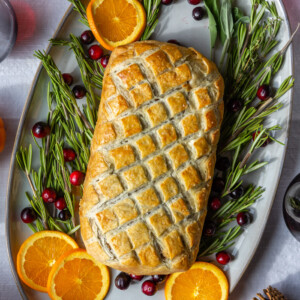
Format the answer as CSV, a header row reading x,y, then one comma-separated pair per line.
x,y
149,287
263,93
95,51
49,195
78,90
243,218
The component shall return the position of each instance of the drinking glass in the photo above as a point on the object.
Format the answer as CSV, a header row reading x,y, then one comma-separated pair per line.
x,y
8,28
292,216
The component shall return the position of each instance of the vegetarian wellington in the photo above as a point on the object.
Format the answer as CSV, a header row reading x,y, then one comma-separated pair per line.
x,y
152,158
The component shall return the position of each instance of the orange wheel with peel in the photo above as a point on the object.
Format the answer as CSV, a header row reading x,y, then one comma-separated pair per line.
x,y
38,254
202,281
116,22
77,275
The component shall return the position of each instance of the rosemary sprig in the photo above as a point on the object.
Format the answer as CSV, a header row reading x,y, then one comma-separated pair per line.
x,y
152,8
79,7
232,207
91,74
44,221
65,97
242,134
220,242
24,159
68,127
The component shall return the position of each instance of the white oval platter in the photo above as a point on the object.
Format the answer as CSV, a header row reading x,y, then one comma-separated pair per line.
x,y
175,22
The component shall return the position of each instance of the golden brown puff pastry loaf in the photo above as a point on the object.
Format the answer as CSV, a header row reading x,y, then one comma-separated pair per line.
x,y
152,158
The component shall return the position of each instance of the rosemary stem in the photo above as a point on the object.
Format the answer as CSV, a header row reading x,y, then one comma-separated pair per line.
x,y
65,180
31,184
74,225
82,116
246,41
65,111
245,159
45,224
47,149
290,40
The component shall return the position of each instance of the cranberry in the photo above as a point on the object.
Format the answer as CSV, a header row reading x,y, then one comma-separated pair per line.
x,y
263,92
64,215
149,287
215,204
41,129
136,277
209,228
237,193
28,215
235,105
243,218
266,143
174,42
223,258
95,52
223,163
194,2
87,37
49,195
255,134
60,203
198,13
166,2
69,154
77,178
104,61
68,79
159,278
218,185
122,281
79,91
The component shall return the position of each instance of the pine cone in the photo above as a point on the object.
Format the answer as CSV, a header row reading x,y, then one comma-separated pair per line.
x,y
271,294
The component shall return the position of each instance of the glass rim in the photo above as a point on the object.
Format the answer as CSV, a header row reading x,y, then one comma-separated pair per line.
x,y
14,28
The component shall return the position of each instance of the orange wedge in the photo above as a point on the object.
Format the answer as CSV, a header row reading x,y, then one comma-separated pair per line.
x,y
2,135
38,254
202,281
116,22
77,276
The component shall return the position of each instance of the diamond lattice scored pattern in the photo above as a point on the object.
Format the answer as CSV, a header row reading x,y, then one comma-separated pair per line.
x,y
152,158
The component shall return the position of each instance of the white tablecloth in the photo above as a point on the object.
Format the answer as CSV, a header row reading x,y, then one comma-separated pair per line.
x,y
277,260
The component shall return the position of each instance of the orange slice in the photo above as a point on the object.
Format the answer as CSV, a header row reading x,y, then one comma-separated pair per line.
x,y
2,135
202,281
116,22
77,275
38,254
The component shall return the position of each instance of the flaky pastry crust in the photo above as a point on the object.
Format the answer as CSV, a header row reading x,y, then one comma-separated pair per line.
x,y
152,158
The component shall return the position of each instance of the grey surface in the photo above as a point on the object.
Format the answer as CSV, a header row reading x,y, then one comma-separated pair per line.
x,y
276,261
